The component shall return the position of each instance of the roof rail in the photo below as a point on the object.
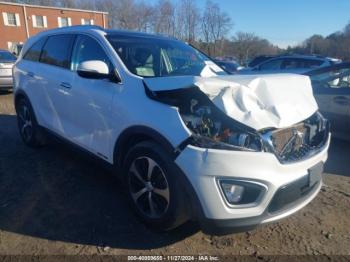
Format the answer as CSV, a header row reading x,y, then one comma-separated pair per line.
x,y
81,27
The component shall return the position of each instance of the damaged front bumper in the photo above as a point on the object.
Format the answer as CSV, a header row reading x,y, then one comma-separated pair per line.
x,y
203,167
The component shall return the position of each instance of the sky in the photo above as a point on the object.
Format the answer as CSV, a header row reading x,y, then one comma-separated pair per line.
x,y
286,22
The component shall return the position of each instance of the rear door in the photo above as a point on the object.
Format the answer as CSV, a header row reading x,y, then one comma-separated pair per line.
x,y
56,78
332,92
29,75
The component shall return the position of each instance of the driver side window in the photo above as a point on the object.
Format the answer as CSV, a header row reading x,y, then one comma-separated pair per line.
x,y
87,49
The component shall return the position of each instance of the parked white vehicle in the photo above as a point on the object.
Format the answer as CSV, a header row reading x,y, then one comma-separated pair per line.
x,y
231,152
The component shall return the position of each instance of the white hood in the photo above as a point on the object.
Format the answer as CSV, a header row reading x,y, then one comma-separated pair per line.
x,y
258,101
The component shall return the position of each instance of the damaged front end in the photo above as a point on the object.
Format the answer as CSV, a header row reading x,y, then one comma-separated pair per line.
x,y
298,142
212,128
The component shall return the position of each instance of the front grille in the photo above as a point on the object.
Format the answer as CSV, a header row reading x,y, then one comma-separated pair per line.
x,y
300,141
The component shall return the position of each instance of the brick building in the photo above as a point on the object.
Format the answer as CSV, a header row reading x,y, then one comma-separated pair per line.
x,y
20,21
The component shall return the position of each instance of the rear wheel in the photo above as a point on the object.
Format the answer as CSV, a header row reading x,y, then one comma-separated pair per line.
x,y
154,192
30,131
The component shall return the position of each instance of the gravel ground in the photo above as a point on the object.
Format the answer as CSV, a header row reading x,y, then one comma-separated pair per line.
x,y
56,201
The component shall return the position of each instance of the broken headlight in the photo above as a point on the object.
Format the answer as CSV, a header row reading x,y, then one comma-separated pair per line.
x,y
210,127
213,129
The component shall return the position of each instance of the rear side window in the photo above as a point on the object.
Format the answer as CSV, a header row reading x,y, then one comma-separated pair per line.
x,y
57,51
312,63
292,64
271,65
33,54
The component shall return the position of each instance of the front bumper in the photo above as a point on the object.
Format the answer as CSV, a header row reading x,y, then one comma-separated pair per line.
x,y
202,167
6,81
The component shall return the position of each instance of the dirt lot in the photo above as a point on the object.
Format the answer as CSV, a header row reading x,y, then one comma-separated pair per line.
x,y
57,201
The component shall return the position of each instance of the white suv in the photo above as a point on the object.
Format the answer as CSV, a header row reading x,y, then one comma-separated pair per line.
x,y
189,141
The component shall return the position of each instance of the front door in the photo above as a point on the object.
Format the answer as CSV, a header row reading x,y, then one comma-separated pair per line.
x,y
91,100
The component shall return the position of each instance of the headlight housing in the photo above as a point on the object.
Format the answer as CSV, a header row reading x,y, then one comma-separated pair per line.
x,y
213,129
210,127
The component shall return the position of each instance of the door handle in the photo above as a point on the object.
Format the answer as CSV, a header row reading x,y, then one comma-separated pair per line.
x,y
66,85
341,100
30,74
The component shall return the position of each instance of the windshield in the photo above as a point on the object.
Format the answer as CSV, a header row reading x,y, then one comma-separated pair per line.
x,y
156,57
7,56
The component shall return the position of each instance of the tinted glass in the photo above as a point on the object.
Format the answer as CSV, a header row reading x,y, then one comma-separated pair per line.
x,y
33,54
57,50
312,63
258,60
6,56
337,78
156,57
291,63
87,49
271,65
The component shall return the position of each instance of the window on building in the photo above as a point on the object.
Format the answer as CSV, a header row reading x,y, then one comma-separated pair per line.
x,y
39,21
85,21
57,50
64,21
11,19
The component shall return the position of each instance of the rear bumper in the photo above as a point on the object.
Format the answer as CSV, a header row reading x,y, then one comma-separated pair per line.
x,y
6,82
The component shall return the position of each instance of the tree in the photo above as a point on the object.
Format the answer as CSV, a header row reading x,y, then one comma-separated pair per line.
x,y
247,45
187,20
215,25
164,18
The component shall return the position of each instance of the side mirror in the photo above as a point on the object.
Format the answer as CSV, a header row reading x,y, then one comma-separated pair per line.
x,y
93,69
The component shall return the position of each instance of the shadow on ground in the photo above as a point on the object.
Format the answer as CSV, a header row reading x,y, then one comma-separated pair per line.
x,y
60,194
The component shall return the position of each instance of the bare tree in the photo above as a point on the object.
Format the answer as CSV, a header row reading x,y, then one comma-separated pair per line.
x,y
215,25
187,20
245,46
164,17
143,16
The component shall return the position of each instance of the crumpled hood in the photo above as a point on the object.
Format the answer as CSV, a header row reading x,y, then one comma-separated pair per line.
x,y
258,101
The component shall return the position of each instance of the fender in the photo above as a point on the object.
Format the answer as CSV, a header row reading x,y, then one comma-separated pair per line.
x,y
135,134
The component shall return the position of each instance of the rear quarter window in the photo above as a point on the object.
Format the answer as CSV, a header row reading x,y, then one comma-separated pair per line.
x,y
33,53
57,51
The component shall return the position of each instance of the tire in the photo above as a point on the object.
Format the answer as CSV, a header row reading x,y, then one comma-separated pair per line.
x,y
30,132
157,197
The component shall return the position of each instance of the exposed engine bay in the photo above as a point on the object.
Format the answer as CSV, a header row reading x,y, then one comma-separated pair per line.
x,y
211,128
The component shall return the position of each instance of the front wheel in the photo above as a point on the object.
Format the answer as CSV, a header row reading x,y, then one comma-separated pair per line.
x,y
154,191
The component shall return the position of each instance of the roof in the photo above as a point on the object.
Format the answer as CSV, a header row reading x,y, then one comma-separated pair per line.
x,y
82,28
136,34
54,7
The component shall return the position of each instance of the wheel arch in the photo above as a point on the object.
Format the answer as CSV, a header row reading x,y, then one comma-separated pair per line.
x,y
136,134
20,94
